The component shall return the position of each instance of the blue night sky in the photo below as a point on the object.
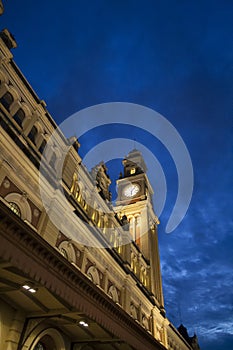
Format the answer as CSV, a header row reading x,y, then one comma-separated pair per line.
x,y
175,57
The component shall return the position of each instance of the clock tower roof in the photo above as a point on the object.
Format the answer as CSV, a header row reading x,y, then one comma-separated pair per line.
x,y
133,186
134,163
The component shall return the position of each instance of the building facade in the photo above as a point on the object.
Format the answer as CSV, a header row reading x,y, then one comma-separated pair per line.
x,y
75,273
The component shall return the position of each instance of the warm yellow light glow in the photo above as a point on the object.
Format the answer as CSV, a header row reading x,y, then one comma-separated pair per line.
x,y
132,171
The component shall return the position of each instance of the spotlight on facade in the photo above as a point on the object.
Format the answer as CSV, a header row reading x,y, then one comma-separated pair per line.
x,y
29,288
25,286
83,323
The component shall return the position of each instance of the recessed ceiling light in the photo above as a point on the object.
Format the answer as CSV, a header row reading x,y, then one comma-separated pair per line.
x,y
29,288
25,286
83,323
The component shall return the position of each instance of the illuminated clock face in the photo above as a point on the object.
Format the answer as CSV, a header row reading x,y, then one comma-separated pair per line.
x,y
131,190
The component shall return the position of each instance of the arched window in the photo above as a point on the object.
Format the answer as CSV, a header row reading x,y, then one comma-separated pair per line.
x,y
19,117
93,274
46,343
145,322
6,100
32,134
133,311
64,253
67,250
39,346
15,208
47,339
137,230
42,147
112,292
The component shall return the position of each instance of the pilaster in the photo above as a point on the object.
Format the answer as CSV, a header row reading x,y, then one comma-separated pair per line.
x,y
15,331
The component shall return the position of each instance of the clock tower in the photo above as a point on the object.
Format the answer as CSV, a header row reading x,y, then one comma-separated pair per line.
x,y
134,201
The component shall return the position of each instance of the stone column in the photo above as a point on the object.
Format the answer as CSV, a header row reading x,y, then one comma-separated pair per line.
x,y
15,331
